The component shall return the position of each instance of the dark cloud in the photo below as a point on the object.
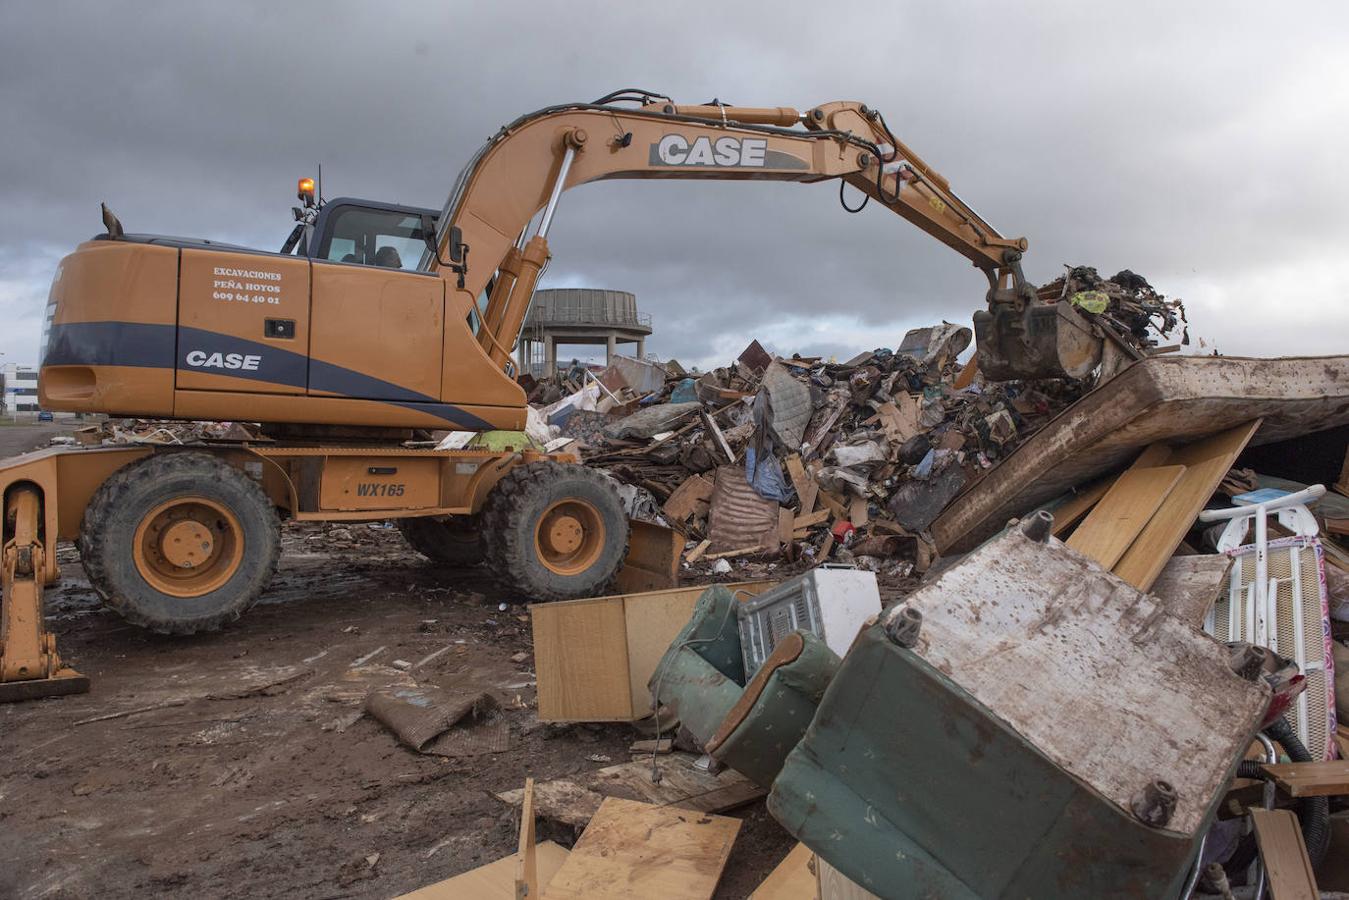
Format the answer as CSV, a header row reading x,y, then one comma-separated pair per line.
x,y
1199,144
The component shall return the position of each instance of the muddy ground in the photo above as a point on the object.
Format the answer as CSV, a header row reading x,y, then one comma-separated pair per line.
x,y
238,764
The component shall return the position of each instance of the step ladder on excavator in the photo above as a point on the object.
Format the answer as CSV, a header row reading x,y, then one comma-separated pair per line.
x,y
29,664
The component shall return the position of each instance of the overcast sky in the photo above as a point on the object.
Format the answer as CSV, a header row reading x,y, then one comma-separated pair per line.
x,y
1200,144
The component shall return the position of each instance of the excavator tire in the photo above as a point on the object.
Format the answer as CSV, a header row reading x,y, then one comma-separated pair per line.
x,y
180,542
450,542
554,531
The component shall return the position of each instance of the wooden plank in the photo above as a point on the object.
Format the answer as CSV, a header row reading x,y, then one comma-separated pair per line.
x,y
966,376
697,552
1123,513
1070,512
574,800
526,859
1189,585
815,518
1206,462
581,660
834,885
834,504
785,525
494,881
1312,779
1284,854
684,500
792,879
806,488
633,849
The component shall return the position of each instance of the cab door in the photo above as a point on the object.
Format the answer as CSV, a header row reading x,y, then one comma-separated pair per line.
x,y
243,322
378,324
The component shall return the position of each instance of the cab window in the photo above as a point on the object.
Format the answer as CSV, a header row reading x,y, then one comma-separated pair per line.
x,y
374,237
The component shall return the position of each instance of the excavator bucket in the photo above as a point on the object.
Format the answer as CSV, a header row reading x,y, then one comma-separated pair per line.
x,y
1045,340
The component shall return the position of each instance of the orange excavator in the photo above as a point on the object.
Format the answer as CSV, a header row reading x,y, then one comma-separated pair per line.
x,y
377,321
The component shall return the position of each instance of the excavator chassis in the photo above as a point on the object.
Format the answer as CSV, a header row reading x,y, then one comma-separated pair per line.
x,y
47,494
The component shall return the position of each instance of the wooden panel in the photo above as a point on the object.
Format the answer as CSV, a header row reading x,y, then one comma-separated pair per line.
x,y
1189,585
1206,463
1070,512
834,885
1312,779
806,488
1123,512
1285,855
494,881
633,849
581,660
793,879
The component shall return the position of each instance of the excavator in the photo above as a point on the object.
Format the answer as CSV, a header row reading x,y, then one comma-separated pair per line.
x,y
375,322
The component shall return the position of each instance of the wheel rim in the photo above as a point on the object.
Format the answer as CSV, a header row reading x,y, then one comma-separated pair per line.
x,y
569,536
188,546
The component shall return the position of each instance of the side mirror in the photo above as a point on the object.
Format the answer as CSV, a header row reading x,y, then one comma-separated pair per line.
x,y
456,240
456,244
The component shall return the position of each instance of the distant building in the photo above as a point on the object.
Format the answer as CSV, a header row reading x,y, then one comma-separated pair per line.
x,y
18,390
579,316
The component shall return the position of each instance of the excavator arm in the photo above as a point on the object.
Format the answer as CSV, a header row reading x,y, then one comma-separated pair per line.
x,y
521,172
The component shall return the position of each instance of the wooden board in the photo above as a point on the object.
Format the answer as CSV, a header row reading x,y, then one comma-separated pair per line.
x,y
685,500
1206,463
792,879
806,488
526,855
1123,512
574,800
581,660
1284,854
494,881
834,885
1312,779
1189,585
809,519
633,849
1070,512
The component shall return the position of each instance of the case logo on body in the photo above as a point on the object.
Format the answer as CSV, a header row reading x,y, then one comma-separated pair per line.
x,y
721,153
200,359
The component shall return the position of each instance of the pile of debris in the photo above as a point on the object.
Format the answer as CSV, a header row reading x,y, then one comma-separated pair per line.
x,y
812,457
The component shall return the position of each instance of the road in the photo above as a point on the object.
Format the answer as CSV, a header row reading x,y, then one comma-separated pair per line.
x,y
20,438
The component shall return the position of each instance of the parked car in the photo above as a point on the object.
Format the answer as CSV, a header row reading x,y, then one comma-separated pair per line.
x,y
44,416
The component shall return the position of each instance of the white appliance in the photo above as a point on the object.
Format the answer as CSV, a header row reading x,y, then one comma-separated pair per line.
x,y
831,602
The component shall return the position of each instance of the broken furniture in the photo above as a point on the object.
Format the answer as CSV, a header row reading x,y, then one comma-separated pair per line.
x,y
1170,399
594,656
1026,725
702,680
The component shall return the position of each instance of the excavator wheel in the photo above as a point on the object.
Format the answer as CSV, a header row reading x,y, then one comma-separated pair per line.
x,y
180,542
554,531
452,541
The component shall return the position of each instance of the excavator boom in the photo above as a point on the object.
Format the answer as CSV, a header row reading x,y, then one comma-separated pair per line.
x,y
526,166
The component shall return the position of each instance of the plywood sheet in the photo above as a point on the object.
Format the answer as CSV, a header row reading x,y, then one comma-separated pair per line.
x,y
1174,399
834,885
574,800
633,849
581,659
1284,854
494,881
792,879
1123,511
1206,462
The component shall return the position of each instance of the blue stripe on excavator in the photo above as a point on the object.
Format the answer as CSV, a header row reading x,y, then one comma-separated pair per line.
x,y
152,346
